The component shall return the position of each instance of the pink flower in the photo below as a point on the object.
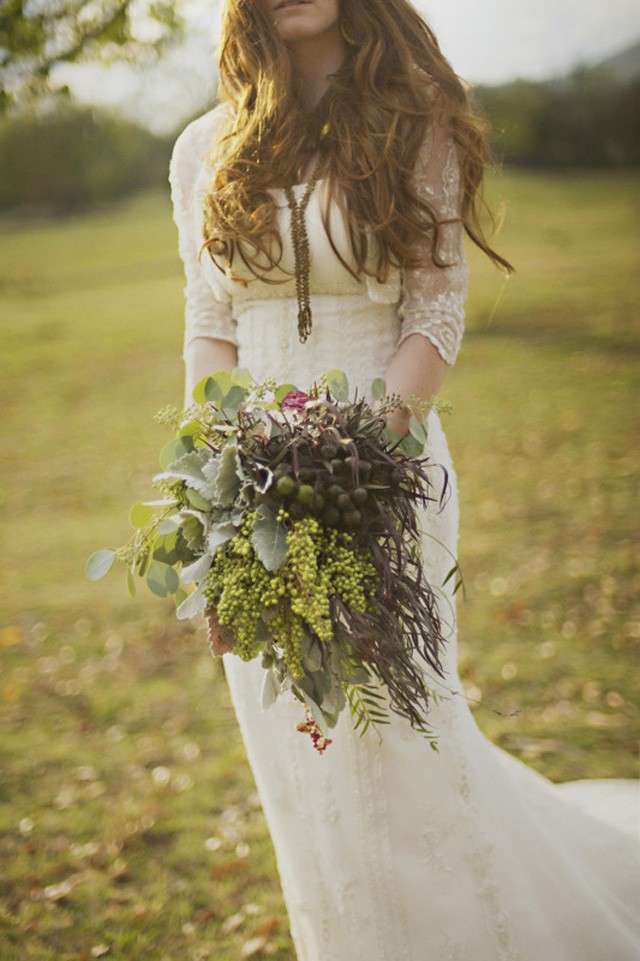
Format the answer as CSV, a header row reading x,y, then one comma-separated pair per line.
x,y
294,400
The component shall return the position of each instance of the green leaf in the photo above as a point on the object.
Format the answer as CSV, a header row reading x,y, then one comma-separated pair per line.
x,y
227,482
270,690
242,377
180,596
417,430
219,535
99,563
281,392
162,580
174,449
131,583
410,446
199,390
168,526
190,469
192,605
197,500
233,399
269,540
140,515
194,572
338,383
217,386
378,388
190,428
311,653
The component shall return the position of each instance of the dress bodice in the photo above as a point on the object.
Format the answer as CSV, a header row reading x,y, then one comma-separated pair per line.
x,y
357,322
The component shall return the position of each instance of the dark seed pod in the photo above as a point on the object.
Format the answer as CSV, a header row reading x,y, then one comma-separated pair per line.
x,y
352,519
328,451
334,491
337,464
344,502
286,486
331,517
360,496
318,502
306,495
364,468
297,510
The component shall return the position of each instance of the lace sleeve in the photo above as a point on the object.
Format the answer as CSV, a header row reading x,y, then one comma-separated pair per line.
x,y
207,311
433,298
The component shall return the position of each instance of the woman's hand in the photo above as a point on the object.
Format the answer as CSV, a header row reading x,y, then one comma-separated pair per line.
x,y
416,370
219,635
398,421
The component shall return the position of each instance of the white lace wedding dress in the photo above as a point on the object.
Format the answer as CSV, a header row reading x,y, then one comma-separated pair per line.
x,y
388,851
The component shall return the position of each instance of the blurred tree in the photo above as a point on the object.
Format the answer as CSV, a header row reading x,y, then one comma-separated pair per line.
x,y
71,158
35,35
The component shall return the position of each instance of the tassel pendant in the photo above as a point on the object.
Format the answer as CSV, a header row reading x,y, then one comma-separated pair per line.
x,y
300,242
304,323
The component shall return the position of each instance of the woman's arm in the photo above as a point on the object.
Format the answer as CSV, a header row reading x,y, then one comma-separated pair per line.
x,y
202,356
432,304
209,341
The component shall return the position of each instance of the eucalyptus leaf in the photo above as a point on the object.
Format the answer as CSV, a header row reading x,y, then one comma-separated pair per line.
x,y
140,515
234,399
270,689
217,386
338,383
269,540
281,392
311,653
417,430
227,482
168,526
190,428
410,446
175,449
162,580
219,535
192,605
199,390
99,563
378,388
194,572
131,583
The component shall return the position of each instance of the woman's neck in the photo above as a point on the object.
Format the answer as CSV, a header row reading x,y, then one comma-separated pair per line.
x,y
314,59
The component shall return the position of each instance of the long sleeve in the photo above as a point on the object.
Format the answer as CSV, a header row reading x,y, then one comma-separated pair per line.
x,y
433,298
207,310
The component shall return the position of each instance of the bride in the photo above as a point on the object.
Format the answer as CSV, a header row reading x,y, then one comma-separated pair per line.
x,y
346,112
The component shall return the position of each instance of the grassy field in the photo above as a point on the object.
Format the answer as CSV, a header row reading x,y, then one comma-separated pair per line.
x,y
130,827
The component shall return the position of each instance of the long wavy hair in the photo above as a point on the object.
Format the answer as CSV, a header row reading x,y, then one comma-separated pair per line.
x,y
366,130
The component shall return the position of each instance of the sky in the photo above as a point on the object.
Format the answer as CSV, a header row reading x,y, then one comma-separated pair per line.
x,y
486,41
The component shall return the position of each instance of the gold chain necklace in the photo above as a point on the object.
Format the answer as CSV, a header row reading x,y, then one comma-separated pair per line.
x,y
301,253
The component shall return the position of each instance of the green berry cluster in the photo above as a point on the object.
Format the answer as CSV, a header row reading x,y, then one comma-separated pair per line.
x,y
321,563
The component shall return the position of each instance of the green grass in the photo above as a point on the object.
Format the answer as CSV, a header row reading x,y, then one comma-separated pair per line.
x,y
130,825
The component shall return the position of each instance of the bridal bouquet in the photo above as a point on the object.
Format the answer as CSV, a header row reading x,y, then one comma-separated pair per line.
x,y
290,518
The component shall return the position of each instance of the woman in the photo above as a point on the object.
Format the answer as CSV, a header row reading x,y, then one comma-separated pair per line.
x,y
386,850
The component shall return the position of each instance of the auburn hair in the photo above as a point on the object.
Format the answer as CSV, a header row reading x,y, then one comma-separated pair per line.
x,y
367,131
